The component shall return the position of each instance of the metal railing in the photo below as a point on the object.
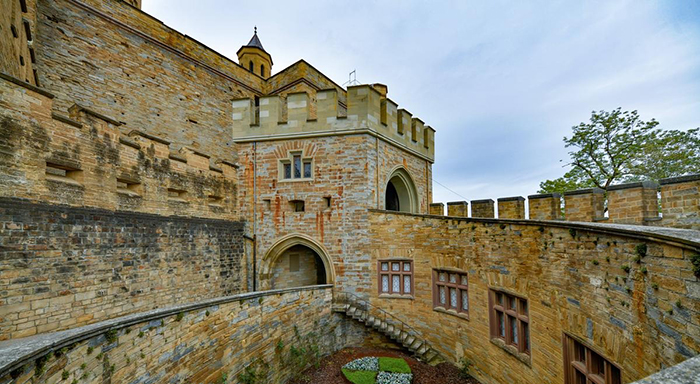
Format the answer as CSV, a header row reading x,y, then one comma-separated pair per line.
x,y
378,313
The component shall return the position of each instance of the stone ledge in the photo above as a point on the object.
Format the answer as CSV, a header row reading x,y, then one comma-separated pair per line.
x,y
18,352
513,198
680,179
641,184
682,373
30,87
584,191
544,196
685,238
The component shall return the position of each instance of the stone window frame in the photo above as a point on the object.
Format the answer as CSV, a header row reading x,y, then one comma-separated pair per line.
x,y
517,313
461,287
402,273
289,161
581,359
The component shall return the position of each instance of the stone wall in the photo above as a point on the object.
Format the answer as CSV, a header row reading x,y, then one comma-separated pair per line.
x,y
65,266
203,342
112,58
297,267
94,223
87,161
350,172
619,289
17,32
341,173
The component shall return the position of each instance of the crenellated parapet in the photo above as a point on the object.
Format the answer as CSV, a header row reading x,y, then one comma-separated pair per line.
x,y
87,159
673,202
368,111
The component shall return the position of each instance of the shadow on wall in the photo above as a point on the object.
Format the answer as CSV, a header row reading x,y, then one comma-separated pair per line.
x,y
298,266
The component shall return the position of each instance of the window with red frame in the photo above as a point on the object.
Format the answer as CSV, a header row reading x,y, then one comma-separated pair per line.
x,y
509,320
585,366
396,277
450,290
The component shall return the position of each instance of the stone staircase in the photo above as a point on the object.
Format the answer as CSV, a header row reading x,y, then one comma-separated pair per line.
x,y
393,328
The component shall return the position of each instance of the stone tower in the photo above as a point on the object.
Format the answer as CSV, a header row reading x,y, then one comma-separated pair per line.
x,y
253,57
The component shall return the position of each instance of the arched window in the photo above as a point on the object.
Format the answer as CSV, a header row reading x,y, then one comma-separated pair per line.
x,y
401,193
250,66
262,70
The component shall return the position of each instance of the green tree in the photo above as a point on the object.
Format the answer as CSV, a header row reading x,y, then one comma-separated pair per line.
x,y
618,147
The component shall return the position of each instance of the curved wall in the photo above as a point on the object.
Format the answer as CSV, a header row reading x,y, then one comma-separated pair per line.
x,y
210,341
574,277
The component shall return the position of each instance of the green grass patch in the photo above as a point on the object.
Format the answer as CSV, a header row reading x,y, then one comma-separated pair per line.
x,y
360,377
392,364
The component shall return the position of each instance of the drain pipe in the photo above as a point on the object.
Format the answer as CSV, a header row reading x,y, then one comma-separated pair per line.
x,y
255,216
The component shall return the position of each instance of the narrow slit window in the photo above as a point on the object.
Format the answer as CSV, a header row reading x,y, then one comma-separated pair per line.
x,y
327,201
27,30
262,70
307,169
297,166
250,66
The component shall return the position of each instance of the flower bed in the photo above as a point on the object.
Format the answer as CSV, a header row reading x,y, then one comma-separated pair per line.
x,y
378,370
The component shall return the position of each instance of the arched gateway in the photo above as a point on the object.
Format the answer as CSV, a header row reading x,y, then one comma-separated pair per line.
x,y
296,260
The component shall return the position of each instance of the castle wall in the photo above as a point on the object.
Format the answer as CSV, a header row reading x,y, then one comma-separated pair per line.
x,y
618,292
17,32
205,342
117,60
96,224
65,267
342,169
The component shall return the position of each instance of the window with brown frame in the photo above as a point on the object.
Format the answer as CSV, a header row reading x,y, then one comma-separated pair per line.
x,y
396,277
585,366
450,290
509,320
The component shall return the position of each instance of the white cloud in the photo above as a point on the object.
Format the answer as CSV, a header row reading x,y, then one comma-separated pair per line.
x,y
502,82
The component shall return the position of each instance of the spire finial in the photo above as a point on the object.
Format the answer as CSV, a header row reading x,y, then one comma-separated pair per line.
x,y
255,29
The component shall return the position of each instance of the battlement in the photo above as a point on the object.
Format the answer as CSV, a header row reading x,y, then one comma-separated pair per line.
x,y
673,202
90,160
367,111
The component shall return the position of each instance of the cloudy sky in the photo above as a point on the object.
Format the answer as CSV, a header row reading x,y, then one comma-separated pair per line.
x,y
501,81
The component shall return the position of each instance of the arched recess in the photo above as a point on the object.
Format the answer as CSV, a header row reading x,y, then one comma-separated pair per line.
x,y
287,243
400,193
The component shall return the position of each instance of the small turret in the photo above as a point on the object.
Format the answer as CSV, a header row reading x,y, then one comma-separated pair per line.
x,y
254,57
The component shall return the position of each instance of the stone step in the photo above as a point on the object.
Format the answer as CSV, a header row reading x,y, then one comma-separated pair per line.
x,y
408,340
415,346
411,342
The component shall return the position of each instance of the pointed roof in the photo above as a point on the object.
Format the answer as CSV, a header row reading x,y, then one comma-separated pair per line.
x,y
255,41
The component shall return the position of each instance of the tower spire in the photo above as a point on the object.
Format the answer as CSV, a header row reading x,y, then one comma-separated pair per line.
x,y
254,57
